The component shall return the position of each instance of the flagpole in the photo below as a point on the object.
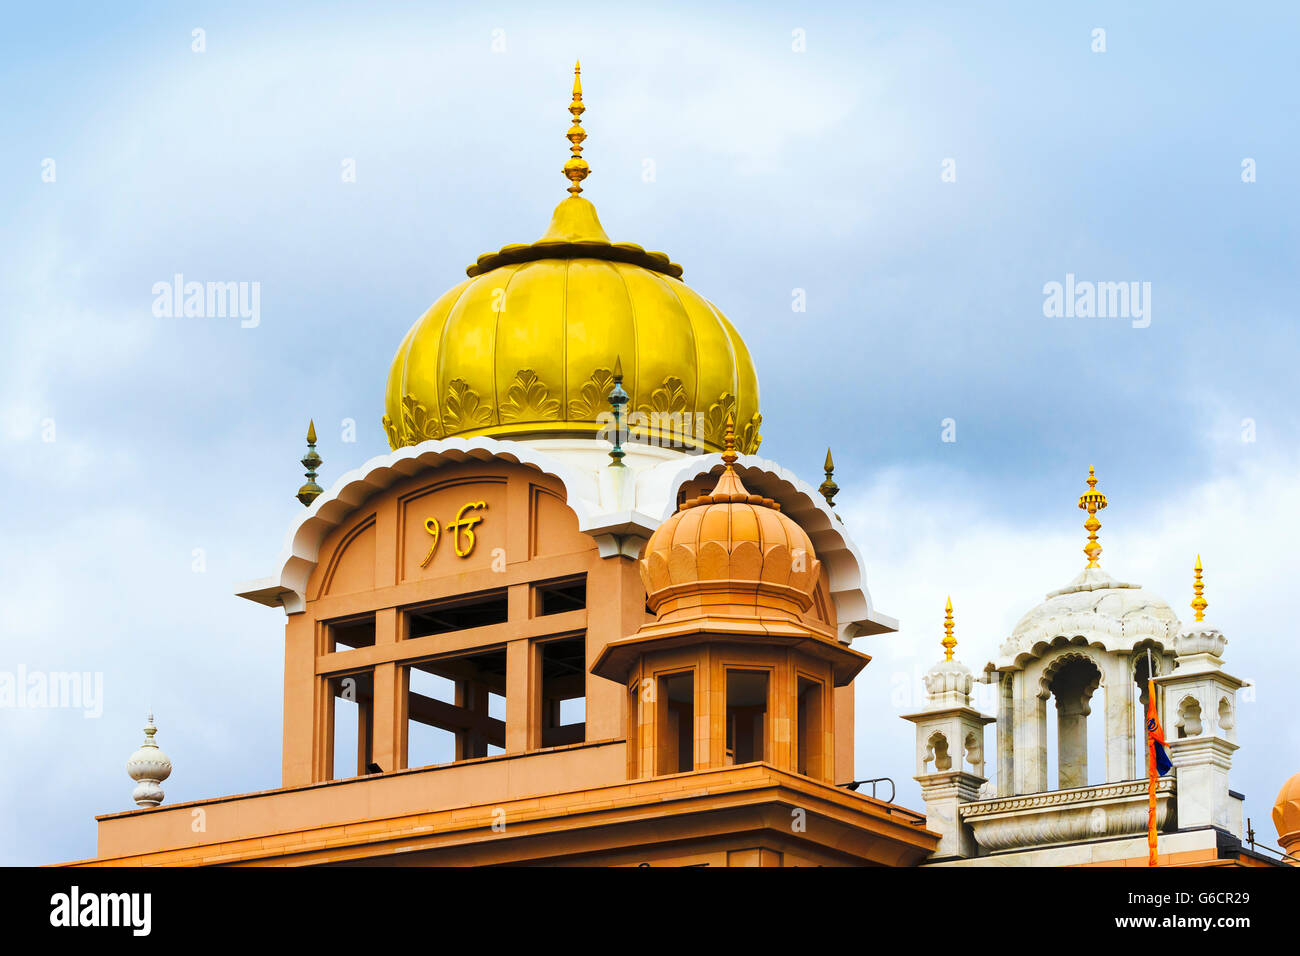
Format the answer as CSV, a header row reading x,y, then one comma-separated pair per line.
x,y
1151,766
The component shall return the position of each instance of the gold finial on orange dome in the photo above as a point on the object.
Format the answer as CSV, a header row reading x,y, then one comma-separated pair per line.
x,y
1199,604
948,642
729,443
1092,501
576,169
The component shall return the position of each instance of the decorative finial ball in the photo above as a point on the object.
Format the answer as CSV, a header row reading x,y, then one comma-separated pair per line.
x,y
948,683
149,767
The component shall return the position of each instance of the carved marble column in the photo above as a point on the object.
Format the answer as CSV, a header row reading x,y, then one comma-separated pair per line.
x,y
1121,719
1199,720
1030,742
949,754
1006,734
1071,739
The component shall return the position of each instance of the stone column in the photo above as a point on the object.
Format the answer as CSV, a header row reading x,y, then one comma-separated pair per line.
x,y
388,718
949,737
1121,719
1203,757
523,697
1071,740
1202,765
1006,735
944,793
1030,740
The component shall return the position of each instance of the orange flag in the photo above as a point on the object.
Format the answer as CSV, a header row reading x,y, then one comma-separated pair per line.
x,y
1158,764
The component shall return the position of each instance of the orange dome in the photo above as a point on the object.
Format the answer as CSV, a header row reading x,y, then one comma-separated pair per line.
x,y
729,548
1286,815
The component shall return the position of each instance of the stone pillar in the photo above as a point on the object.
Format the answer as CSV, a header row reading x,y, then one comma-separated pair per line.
x,y
944,793
949,755
1201,765
1006,735
1072,740
1199,721
1121,719
306,727
1030,742
523,697
388,718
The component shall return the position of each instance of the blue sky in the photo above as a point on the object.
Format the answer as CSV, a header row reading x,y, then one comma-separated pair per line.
x,y
775,170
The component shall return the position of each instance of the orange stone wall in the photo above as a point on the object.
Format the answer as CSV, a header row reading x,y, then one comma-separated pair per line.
x,y
372,563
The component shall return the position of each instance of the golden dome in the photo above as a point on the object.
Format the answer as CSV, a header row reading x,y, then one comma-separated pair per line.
x,y
527,345
1286,814
730,548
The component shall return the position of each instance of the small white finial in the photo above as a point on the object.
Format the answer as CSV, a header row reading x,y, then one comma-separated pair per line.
x,y
149,767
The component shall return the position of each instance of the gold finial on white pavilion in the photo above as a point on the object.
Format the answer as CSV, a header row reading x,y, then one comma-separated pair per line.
x,y
576,169
1199,604
948,642
1092,501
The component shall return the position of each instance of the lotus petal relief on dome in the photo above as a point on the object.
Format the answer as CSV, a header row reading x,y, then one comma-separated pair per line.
x,y
667,399
715,419
712,562
463,409
593,396
528,399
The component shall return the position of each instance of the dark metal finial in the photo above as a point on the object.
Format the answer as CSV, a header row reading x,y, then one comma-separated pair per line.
x,y
828,488
617,399
311,461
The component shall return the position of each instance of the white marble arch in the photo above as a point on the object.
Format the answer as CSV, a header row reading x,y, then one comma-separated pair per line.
x,y
1023,706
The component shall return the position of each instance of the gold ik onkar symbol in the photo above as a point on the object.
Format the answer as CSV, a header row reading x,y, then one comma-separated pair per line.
x,y
462,531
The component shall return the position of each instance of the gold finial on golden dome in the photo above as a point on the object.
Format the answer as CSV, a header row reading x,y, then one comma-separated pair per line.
x,y
1199,604
1092,501
948,642
576,169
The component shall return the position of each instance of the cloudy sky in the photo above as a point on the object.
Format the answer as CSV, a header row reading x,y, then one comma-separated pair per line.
x,y
148,463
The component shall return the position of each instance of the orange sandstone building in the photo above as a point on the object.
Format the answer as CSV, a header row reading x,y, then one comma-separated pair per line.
x,y
572,617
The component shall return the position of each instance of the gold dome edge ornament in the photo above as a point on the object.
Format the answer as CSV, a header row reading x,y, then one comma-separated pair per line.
x,y
528,400
416,424
593,396
715,419
750,438
463,409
